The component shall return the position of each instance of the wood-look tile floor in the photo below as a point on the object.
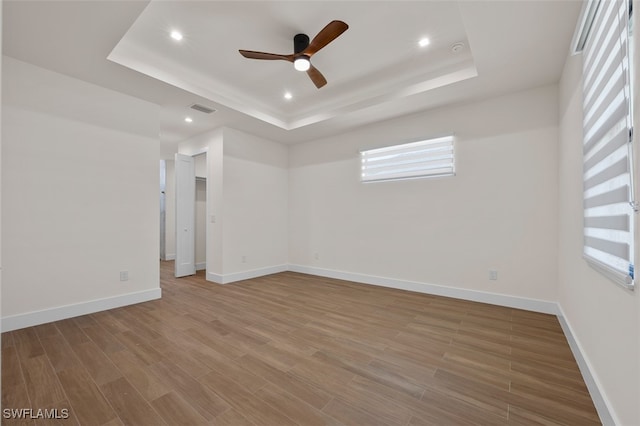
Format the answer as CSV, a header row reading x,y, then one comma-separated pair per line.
x,y
293,349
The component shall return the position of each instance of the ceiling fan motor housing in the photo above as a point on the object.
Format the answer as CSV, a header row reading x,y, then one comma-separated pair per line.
x,y
300,42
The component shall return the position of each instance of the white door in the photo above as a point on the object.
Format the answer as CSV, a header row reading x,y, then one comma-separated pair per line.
x,y
185,215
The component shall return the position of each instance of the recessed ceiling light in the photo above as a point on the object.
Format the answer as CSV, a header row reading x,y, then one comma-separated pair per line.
x,y
176,35
188,119
288,95
424,42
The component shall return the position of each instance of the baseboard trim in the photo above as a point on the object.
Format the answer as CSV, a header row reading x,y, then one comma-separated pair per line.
x,y
201,266
170,256
29,319
246,275
535,305
214,278
599,400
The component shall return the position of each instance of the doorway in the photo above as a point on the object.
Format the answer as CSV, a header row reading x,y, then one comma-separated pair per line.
x,y
163,210
191,213
201,212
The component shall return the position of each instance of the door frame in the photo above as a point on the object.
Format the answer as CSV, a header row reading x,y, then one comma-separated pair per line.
x,y
195,153
185,215
163,209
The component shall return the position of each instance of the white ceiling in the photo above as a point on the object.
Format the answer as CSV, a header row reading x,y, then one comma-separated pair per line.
x,y
366,65
375,70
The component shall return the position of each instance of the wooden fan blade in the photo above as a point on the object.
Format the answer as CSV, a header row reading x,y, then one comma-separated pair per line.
x,y
316,76
262,55
326,36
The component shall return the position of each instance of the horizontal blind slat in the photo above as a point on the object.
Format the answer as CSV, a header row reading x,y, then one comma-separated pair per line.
x,y
416,168
615,265
448,159
620,222
410,145
603,31
617,249
424,149
614,88
615,113
371,162
607,69
618,138
616,169
398,176
618,195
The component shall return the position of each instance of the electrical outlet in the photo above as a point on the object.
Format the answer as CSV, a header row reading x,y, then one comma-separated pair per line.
x,y
124,275
316,256
244,259
493,275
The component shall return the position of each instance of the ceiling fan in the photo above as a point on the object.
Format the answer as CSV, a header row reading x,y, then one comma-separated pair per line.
x,y
304,50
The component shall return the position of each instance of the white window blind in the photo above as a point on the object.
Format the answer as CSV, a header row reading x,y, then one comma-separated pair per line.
x,y
427,158
609,205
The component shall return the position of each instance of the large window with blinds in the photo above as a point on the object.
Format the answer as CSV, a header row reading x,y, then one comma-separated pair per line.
x,y
609,204
426,158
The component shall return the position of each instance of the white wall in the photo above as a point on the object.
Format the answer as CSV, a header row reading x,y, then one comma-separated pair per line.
x,y
247,196
255,203
604,317
498,212
80,189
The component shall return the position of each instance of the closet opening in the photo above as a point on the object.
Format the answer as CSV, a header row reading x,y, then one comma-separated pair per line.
x,y
201,212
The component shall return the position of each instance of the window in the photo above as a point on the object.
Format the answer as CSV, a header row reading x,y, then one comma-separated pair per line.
x,y
427,158
609,206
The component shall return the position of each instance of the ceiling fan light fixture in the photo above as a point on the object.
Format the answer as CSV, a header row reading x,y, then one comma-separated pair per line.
x,y
302,63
